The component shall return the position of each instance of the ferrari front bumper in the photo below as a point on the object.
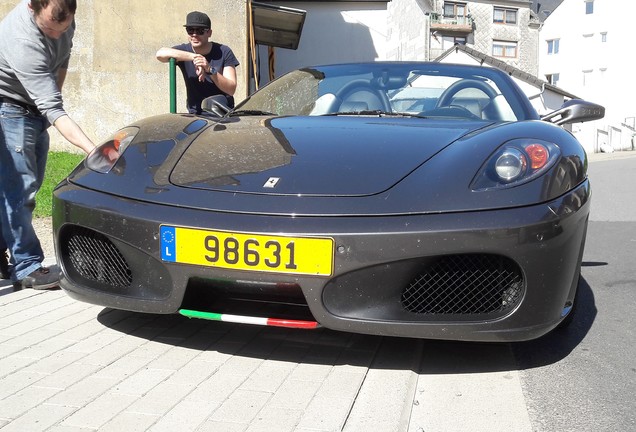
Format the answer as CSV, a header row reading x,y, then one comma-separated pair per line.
x,y
498,275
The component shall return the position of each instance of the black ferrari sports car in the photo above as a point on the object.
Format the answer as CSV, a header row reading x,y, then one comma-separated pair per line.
x,y
420,200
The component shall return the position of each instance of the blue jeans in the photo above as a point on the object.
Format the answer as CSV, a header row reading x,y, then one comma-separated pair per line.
x,y
24,147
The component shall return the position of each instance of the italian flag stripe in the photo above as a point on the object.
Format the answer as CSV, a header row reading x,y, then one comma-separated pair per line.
x,y
242,319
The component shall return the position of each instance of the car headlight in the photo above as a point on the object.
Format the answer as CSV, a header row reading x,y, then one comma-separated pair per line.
x,y
103,157
516,162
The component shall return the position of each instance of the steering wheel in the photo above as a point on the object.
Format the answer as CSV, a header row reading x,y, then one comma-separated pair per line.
x,y
446,98
363,86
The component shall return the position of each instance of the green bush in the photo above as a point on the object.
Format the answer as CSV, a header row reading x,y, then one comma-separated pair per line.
x,y
58,166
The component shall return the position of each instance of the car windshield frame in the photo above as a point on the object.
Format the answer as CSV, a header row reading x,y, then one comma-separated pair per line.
x,y
409,89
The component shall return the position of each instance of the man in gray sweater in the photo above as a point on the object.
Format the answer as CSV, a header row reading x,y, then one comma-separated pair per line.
x,y
35,46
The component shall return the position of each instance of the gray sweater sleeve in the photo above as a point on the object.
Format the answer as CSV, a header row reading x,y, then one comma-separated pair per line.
x,y
29,63
38,81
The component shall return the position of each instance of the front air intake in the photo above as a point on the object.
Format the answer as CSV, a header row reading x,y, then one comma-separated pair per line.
x,y
92,257
465,285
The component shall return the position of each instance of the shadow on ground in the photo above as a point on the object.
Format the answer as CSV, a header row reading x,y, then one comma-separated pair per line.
x,y
323,346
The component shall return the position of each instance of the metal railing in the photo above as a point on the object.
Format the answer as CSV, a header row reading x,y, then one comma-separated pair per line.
x,y
173,85
461,20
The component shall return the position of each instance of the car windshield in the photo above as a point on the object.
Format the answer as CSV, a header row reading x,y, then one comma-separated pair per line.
x,y
428,90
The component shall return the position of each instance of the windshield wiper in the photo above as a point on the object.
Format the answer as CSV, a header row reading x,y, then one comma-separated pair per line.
x,y
379,113
353,113
250,113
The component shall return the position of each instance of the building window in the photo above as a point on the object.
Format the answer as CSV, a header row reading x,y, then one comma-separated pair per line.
x,y
552,78
553,46
452,9
587,77
589,7
451,41
604,37
505,16
504,49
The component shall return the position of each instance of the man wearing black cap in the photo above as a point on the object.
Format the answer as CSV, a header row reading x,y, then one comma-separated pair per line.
x,y
208,68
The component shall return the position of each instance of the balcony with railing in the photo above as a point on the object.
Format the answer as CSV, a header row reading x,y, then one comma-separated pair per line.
x,y
454,23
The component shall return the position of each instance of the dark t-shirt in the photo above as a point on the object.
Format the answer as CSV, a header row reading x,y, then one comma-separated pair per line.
x,y
218,57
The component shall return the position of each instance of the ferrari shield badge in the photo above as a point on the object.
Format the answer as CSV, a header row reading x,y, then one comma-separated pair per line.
x,y
271,182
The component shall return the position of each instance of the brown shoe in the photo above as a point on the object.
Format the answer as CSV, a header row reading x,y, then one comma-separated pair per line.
x,y
41,279
5,269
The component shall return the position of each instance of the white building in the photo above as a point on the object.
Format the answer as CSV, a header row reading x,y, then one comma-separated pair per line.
x,y
585,47
553,40
369,30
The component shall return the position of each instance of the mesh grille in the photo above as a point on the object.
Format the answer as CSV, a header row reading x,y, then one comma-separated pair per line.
x,y
94,257
465,284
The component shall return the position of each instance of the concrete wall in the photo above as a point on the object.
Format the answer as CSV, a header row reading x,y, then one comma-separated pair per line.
x,y
114,78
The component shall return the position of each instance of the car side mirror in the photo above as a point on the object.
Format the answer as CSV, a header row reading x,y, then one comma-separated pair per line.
x,y
575,111
215,105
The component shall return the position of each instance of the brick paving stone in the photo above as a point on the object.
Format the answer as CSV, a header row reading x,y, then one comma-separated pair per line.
x,y
60,428
142,381
214,426
195,372
83,391
268,377
326,414
310,372
39,418
216,388
97,369
343,381
161,399
173,359
294,394
100,411
54,362
275,420
130,422
241,406
187,415
18,403
14,382
67,376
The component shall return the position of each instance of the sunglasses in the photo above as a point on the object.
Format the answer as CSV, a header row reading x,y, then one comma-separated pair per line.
x,y
199,31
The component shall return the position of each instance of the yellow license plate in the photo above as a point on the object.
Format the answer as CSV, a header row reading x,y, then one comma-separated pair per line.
x,y
245,251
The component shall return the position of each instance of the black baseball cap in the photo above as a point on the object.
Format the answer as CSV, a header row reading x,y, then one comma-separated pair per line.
x,y
198,19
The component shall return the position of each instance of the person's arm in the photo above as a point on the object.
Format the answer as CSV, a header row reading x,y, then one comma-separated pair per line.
x,y
61,77
73,133
165,54
225,81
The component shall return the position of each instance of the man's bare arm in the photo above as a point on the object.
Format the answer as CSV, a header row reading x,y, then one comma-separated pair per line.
x,y
164,55
73,133
226,81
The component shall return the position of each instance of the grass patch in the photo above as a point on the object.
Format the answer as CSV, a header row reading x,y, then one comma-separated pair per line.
x,y
58,166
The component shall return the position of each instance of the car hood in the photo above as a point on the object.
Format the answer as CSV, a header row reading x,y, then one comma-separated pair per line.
x,y
326,166
312,156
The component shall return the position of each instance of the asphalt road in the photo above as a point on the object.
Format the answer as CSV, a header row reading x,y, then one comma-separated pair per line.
x,y
584,378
